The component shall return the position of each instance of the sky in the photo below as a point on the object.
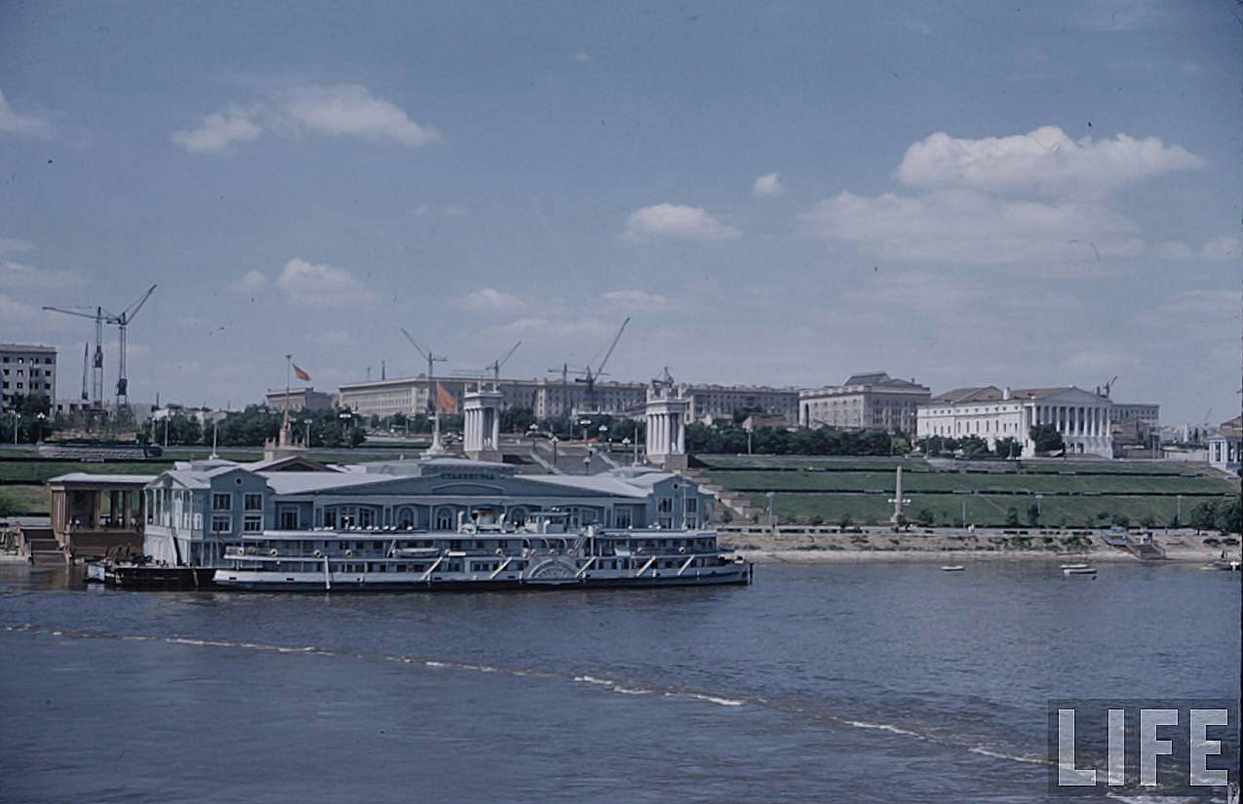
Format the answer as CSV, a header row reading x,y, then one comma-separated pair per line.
x,y
781,194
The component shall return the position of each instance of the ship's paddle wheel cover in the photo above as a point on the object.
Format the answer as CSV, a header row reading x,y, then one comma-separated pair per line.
x,y
553,571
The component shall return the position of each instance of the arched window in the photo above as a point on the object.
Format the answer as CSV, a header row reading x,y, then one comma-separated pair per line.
x,y
444,518
516,516
405,518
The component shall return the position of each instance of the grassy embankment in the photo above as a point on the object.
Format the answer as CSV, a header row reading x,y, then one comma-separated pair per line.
x,y
1072,494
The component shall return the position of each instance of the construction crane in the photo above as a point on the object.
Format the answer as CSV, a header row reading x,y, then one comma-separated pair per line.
x,y
122,321
493,368
86,366
432,407
97,368
589,375
1109,385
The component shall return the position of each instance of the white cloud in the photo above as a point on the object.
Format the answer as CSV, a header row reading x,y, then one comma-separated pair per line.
x,y
490,299
20,275
638,299
965,226
1117,15
336,110
768,186
322,285
1045,160
1202,302
336,337
914,24
558,331
13,310
351,110
12,245
1224,247
581,58
15,123
250,282
217,132
677,221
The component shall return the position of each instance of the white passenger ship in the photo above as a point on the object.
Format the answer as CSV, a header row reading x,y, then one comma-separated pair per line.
x,y
542,553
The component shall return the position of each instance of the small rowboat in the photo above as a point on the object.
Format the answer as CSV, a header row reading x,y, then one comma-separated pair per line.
x,y
952,568
1089,571
1076,566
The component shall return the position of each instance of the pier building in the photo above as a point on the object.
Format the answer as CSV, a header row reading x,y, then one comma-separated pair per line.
x,y
198,509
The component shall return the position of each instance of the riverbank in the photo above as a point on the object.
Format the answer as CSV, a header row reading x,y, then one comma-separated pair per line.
x,y
957,547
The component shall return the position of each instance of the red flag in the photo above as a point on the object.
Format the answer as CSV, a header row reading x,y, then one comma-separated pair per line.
x,y
300,374
444,400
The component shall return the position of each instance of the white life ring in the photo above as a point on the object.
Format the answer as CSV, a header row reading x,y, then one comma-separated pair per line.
x,y
318,554
500,552
272,552
250,549
349,553
682,550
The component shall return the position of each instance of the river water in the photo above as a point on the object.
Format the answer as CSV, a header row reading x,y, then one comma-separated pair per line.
x,y
853,683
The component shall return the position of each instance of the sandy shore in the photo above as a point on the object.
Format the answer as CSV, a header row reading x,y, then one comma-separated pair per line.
x,y
959,548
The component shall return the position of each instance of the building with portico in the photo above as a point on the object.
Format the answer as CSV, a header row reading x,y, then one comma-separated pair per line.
x,y
1081,417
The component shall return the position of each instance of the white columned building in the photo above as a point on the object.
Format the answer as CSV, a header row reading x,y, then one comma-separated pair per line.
x,y
1081,417
666,433
481,408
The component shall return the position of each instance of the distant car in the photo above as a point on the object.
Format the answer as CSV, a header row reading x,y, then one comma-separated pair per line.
x,y
152,451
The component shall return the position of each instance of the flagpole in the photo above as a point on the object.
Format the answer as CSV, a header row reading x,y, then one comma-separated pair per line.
x,y
288,363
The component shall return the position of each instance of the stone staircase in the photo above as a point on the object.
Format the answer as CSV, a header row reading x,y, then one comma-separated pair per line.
x,y
39,546
737,503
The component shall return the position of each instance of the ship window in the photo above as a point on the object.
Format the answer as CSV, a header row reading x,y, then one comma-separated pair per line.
x,y
253,502
330,518
289,520
444,519
221,524
222,502
366,517
252,524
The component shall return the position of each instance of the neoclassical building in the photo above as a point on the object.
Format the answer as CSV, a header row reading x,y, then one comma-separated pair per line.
x,y
194,511
864,402
1081,417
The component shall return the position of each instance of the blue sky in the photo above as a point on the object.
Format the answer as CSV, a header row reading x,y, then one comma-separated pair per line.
x,y
781,194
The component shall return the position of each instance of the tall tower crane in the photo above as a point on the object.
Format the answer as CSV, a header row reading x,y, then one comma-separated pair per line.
x,y
493,368
122,321
97,367
432,403
589,375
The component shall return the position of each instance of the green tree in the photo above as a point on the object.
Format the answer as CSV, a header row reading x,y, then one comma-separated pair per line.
x,y
1227,519
1204,516
1012,518
925,517
1046,438
1121,520
1033,515
974,447
1007,448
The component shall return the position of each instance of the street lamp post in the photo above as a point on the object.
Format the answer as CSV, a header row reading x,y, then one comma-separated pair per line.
x,y
17,419
41,418
554,441
587,461
307,422
772,523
